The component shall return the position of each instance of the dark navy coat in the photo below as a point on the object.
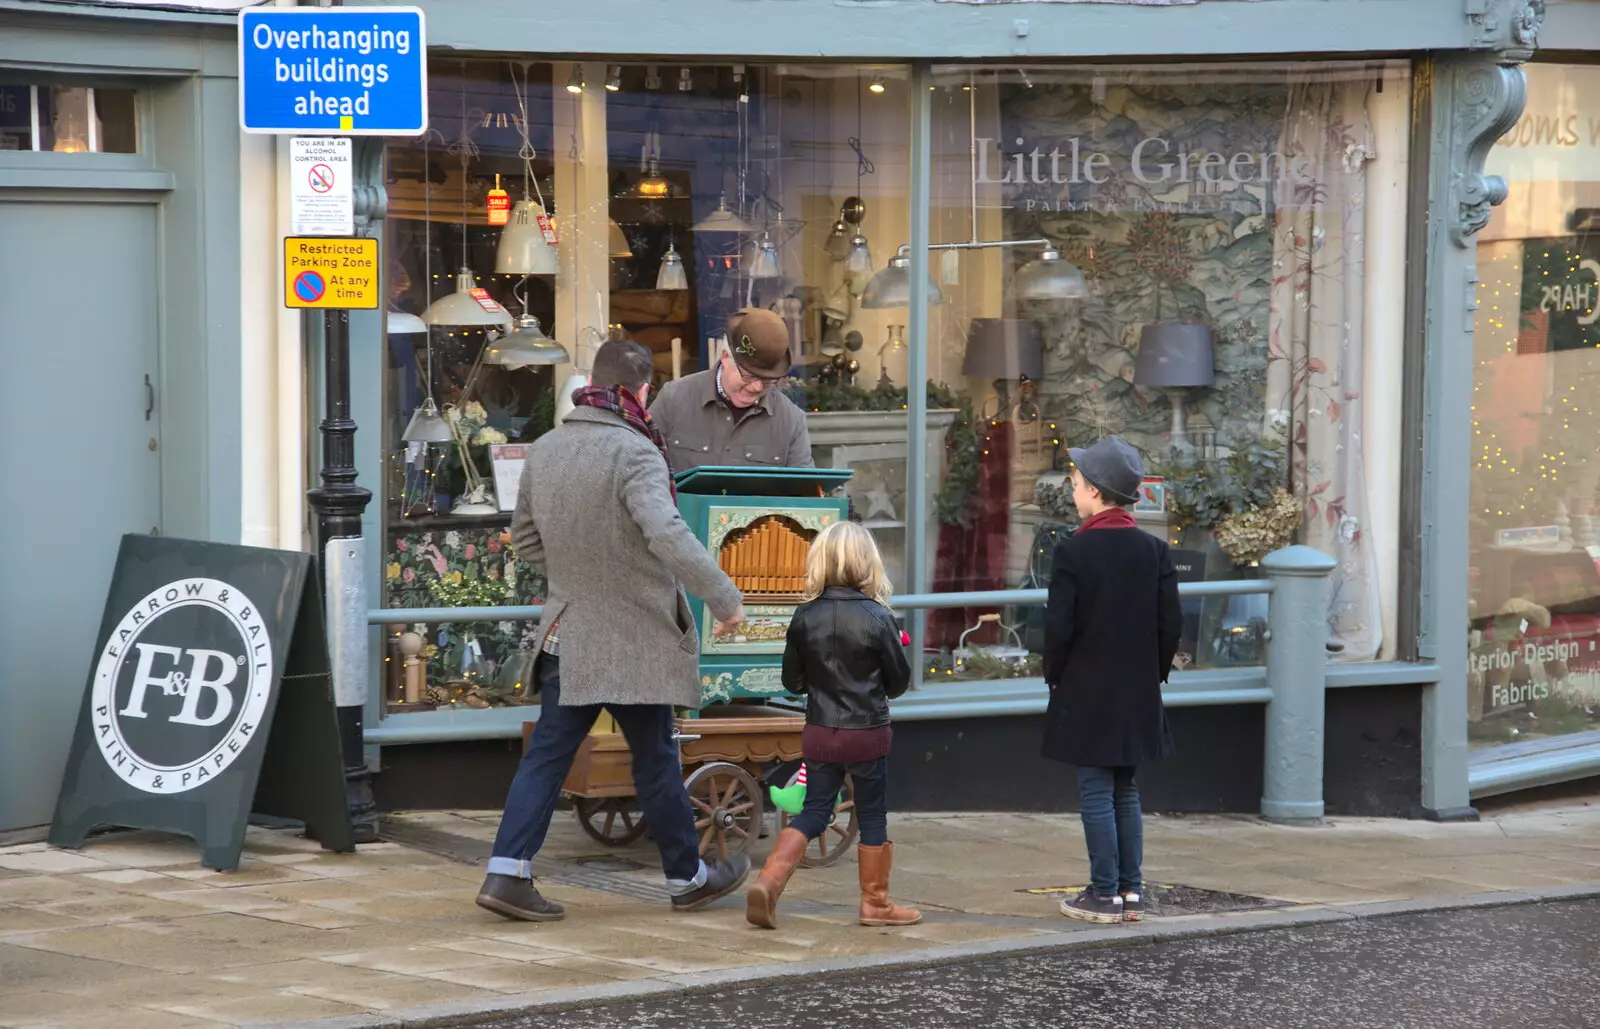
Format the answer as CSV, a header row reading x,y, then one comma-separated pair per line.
x,y
1111,631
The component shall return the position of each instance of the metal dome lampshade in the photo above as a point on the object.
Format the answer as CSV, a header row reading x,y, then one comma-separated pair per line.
x,y
1049,277
469,307
523,250
892,286
617,241
723,220
526,345
427,425
403,323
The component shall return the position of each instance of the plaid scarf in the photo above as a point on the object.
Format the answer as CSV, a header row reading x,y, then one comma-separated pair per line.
x,y
621,402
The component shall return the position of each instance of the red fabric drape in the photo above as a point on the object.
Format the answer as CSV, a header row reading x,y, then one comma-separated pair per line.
x,y
973,557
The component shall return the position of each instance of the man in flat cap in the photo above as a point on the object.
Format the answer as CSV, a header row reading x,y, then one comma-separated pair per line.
x,y
731,414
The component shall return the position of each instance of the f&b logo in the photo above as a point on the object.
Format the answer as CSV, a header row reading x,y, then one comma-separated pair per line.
x,y
181,685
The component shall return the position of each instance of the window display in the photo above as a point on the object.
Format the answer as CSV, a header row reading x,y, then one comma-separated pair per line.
x,y
1175,255
1534,607
68,119
555,205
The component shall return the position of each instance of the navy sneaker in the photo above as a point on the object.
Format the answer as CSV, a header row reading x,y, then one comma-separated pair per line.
x,y
1089,906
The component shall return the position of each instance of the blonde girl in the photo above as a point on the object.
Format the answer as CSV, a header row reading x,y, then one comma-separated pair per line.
x,y
846,655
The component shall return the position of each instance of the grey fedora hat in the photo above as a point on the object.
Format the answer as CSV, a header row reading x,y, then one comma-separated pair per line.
x,y
1112,466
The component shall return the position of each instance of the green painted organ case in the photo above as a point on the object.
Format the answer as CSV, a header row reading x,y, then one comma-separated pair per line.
x,y
758,523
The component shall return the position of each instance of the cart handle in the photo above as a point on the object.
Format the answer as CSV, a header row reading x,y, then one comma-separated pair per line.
x,y
678,737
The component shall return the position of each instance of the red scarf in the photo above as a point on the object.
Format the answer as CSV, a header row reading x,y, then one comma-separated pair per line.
x,y
621,402
1110,518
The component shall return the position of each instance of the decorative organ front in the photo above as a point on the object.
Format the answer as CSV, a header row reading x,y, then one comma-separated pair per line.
x,y
767,559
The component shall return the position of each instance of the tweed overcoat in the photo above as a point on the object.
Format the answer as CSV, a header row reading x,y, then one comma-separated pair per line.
x,y
1112,626
595,515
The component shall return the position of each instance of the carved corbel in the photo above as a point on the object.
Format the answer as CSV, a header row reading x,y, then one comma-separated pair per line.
x,y
1490,93
371,199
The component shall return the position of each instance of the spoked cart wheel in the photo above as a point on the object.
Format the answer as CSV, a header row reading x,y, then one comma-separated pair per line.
x,y
840,835
614,821
727,809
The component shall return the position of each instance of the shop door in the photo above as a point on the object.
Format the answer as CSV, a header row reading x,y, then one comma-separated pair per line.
x,y
79,421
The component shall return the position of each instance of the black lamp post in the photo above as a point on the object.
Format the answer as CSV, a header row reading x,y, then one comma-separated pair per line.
x,y
339,504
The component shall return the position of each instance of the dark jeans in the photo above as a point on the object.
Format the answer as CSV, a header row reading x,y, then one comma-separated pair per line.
x,y
1113,827
657,776
824,780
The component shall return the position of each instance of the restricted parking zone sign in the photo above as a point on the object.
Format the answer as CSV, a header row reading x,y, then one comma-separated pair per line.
x,y
330,273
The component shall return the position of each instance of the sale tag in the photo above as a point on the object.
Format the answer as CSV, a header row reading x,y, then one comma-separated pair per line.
x,y
486,301
547,225
499,204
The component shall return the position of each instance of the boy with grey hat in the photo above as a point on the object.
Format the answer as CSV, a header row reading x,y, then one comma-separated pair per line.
x,y
1112,625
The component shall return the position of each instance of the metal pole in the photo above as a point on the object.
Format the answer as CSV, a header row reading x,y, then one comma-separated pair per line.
x,y
339,504
917,472
1297,658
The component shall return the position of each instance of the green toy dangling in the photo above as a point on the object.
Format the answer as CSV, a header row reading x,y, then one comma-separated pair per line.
x,y
791,799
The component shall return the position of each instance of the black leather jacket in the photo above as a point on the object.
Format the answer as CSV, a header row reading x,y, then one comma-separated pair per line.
x,y
844,654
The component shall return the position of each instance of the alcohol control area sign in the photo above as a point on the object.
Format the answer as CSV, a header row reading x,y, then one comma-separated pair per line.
x,y
340,70
333,274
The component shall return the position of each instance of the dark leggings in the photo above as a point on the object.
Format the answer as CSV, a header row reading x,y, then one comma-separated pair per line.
x,y
824,780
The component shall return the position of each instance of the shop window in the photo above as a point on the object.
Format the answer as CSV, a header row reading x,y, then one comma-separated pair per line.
x,y
68,119
553,205
1534,607
1209,216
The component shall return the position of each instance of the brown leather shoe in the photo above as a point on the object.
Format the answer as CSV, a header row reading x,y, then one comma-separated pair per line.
x,y
876,907
761,905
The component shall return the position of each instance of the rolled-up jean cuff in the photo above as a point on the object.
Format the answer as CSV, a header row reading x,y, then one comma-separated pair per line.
x,y
679,887
511,866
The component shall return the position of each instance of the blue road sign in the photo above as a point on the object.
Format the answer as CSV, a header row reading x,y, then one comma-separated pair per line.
x,y
352,71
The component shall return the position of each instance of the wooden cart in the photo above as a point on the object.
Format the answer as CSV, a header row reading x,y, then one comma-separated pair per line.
x,y
728,755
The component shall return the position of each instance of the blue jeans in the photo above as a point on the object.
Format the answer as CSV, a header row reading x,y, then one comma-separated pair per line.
x,y
657,779
824,780
1113,827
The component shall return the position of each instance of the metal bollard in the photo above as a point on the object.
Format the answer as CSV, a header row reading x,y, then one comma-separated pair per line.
x,y
1297,675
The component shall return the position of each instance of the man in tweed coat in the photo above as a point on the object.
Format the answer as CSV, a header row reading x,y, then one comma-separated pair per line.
x,y
596,514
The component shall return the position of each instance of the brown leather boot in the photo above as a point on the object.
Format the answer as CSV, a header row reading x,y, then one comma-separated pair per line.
x,y
761,905
876,907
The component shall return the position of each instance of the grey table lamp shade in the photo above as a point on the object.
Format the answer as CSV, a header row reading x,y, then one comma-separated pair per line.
x,y
1173,356
1003,348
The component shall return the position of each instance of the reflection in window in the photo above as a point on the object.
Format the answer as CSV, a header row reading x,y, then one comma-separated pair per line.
x,y
1174,255
1534,606
68,119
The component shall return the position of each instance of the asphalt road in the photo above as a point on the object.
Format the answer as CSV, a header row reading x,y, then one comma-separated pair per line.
x,y
1521,966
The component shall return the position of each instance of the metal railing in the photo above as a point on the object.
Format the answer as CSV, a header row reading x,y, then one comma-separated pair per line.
x,y
1294,687
903,602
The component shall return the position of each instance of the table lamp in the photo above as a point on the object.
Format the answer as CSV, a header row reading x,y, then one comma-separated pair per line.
x,y
1174,358
1003,350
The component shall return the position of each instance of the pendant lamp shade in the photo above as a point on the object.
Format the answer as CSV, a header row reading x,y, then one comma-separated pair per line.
x,y
401,323
427,425
1049,277
618,241
526,345
723,220
468,307
765,265
838,245
892,287
837,306
523,249
671,275
858,265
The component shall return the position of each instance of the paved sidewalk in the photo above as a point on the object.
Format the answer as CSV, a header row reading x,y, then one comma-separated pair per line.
x,y
133,932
